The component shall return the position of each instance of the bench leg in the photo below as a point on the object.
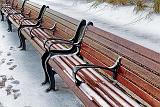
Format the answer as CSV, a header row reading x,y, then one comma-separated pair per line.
x,y
2,14
51,78
19,33
22,40
44,57
49,72
9,25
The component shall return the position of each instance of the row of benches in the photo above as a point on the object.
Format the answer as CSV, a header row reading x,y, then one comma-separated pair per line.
x,y
81,53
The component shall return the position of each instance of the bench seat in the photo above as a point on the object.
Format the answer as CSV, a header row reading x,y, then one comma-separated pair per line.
x,y
17,20
108,93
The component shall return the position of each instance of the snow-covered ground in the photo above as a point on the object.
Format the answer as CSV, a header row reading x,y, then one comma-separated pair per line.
x,y
121,21
22,69
23,74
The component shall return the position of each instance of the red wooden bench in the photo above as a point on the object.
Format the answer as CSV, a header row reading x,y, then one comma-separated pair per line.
x,y
134,77
10,7
31,15
137,77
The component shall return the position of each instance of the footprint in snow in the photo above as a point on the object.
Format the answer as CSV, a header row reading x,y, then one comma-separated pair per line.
x,y
13,67
3,36
8,54
1,52
11,60
15,90
1,105
2,76
2,83
9,63
15,82
10,78
8,89
12,48
2,61
16,95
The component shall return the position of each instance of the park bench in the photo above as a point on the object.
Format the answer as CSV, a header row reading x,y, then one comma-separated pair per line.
x,y
138,76
30,15
53,25
137,80
10,7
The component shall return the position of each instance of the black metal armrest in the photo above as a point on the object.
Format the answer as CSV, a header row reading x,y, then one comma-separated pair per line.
x,y
22,26
57,41
60,41
17,13
113,69
30,19
25,18
33,28
28,14
43,28
53,39
51,28
36,20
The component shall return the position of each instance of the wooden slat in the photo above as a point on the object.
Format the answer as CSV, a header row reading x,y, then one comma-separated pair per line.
x,y
128,44
147,75
89,53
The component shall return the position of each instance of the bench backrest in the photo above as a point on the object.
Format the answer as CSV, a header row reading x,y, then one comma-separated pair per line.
x,y
15,4
19,4
32,8
65,25
140,68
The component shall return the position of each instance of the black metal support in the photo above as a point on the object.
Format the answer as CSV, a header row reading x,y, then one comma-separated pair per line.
x,y
22,39
7,17
113,69
19,35
2,14
51,74
43,28
22,8
23,42
44,57
9,25
75,43
38,22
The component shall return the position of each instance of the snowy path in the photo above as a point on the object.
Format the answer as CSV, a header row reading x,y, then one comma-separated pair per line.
x,y
22,73
119,21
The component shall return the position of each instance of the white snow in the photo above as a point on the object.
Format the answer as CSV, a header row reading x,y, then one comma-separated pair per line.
x,y
28,75
26,65
122,21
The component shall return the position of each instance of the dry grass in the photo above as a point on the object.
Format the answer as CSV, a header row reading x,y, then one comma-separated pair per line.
x,y
140,5
118,2
156,6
